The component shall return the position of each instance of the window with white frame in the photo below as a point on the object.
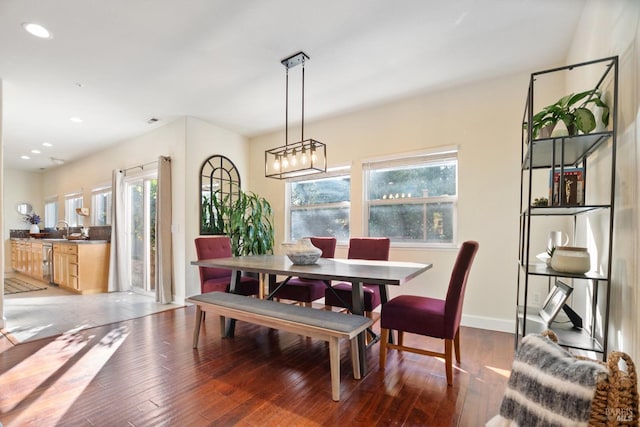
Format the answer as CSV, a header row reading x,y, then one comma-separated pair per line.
x,y
71,203
319,206
101,206
50,211
413,199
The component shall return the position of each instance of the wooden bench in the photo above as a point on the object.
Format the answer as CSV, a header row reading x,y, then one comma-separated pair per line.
x,y
321,324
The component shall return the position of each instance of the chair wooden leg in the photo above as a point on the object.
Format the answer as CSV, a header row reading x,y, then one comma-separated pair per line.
x,y
448,360
400,338
456,342
384,339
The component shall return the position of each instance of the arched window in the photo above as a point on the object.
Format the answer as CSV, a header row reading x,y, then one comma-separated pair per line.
x,y
219,189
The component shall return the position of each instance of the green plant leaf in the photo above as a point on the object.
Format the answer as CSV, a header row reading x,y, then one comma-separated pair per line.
x,y
584,120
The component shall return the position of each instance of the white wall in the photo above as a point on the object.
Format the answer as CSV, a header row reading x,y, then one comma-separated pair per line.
x,y
483,119
608,29
203,141
20,187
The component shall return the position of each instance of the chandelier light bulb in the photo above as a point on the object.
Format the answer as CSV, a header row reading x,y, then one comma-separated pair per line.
x,y
276,163
285,161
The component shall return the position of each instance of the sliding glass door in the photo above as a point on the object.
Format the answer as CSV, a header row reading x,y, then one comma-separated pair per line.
x,y
141,230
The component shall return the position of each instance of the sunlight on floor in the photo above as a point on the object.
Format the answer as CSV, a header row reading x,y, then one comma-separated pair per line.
x,y
503,372
88,359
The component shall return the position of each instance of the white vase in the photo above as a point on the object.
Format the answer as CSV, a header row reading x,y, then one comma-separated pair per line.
x,y
34,229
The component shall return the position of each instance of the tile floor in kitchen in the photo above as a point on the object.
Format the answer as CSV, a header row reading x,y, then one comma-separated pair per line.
x,y
54,311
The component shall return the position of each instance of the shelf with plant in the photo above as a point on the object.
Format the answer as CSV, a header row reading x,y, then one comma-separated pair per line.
x,y
573,112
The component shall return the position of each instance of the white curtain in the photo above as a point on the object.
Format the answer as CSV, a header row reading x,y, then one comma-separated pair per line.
x,y
164,247
117,260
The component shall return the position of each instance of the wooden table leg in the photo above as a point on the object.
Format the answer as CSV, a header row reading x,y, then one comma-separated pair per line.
x,y
196,329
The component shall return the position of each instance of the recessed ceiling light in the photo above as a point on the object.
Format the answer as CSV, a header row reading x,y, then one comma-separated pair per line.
x,y
36,30
25,157
76,119
35,151
47,144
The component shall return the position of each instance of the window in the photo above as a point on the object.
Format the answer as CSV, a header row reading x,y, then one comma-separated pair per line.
x,y
50,211
71,203
413,199
101,206
320,207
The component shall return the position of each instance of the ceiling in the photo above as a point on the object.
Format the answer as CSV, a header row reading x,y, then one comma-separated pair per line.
x,y
118,63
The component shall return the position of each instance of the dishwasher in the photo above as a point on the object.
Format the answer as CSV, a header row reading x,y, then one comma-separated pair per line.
x,y
47,262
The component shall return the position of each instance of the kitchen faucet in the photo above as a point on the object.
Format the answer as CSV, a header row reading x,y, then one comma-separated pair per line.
x,y
66,228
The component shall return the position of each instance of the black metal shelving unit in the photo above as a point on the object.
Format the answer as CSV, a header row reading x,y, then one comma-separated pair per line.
x,y
555,154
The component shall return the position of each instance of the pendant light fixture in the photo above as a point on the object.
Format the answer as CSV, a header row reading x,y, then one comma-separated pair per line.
x,y
304,157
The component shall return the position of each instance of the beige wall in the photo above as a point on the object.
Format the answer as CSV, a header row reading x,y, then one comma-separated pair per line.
x,y
21,187
203,141
621,19
483,120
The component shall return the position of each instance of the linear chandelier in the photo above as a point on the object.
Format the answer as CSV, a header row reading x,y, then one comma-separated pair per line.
x,y
304,157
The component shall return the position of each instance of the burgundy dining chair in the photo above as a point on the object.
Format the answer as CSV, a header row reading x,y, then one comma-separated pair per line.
x,y
304,290
430,316
219,279
366,248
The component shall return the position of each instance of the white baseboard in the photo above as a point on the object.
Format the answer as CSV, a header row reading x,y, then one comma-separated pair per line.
x,y
490,323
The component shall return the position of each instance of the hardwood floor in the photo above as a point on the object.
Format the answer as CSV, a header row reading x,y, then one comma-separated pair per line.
x,y
143,372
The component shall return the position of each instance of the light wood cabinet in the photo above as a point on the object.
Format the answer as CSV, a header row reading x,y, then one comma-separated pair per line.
x,y
81,267
26,258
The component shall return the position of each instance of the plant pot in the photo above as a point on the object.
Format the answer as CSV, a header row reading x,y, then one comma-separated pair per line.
x,y
34,229
545,132
572,129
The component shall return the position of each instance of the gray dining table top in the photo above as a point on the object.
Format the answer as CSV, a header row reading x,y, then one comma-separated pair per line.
x,y
348,270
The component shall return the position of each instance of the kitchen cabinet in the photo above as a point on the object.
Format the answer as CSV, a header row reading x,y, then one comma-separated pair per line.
x,y
81,267
26,258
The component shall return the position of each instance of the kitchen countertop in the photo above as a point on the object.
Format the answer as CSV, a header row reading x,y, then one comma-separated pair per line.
x,y
71,241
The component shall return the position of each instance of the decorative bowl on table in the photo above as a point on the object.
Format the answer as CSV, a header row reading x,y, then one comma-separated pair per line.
x,y
303,252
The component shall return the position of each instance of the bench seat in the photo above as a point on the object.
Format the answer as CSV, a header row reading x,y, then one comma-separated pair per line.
x,y
320,324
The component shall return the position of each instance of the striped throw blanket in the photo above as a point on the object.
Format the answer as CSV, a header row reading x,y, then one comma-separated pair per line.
x,y
548,387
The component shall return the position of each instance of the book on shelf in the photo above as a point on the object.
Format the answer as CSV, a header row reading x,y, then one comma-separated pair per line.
x,y
567,190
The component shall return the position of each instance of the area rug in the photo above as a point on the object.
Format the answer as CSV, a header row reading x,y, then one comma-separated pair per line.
x,y
16,286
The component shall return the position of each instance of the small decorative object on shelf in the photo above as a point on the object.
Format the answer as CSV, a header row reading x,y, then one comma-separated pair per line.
x,y
568,191
303,252
569,259
540,201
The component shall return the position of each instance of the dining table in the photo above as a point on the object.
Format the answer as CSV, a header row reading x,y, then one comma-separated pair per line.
x,y
355,271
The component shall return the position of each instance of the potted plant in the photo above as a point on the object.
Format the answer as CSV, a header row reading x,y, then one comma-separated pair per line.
x,y
33,219
246,218
575,115
250,225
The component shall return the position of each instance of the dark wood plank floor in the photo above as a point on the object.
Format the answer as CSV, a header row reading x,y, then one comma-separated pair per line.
x,y
143,372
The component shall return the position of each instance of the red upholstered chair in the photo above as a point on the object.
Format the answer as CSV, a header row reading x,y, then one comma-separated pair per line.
x,y
368,248
429,316
219,279
308,290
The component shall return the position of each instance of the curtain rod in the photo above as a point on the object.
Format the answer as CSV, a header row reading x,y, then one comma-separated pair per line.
x,y
167,158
